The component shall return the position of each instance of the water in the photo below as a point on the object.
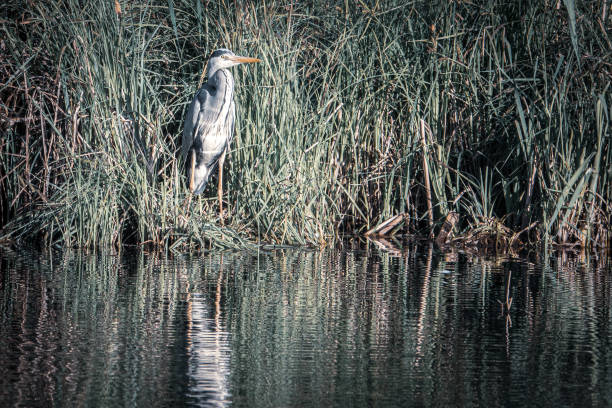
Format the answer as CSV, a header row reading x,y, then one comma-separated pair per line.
x,y
297,328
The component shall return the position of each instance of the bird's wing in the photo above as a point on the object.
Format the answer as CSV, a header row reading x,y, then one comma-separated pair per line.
x,y
231,120
190,123
201,116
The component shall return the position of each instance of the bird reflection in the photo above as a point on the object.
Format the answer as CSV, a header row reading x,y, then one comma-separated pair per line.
x,y
208,349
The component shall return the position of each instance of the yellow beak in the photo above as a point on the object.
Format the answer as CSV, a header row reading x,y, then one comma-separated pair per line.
x,y
243,60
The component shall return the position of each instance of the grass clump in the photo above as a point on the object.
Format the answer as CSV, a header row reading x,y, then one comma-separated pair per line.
x,y
502,109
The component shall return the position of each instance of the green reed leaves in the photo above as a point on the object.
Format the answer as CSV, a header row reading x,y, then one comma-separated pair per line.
x,y
329,132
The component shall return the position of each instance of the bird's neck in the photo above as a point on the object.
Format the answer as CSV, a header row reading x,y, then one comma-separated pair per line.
x,y
212,71
221,79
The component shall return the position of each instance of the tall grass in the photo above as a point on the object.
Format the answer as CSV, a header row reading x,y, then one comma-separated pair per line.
x,y
506,103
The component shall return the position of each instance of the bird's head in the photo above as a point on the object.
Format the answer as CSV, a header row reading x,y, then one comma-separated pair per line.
x,y
224,58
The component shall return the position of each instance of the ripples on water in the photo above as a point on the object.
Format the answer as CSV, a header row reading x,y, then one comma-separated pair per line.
x,y
298,328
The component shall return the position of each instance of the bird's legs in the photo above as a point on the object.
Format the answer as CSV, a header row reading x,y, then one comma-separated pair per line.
x,y
220,188
191,159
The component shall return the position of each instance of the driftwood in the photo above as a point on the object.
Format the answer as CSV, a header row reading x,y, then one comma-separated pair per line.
x,y
446,232
385,227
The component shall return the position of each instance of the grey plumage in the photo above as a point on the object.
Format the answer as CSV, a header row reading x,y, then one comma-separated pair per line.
x,y
209,126
210,120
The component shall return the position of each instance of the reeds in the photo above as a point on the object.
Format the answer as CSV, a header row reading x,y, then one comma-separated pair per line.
x,y
506,105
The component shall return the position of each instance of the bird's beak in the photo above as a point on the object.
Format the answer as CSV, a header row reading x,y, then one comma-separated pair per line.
x,y
191,183
243,60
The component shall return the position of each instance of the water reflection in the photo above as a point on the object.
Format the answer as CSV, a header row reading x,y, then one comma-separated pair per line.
x,y
208,348
409,327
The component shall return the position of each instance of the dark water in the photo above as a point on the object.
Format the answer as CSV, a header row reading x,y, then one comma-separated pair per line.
x,y
297,328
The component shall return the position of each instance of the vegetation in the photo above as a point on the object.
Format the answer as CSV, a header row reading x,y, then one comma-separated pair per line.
x,y
497,111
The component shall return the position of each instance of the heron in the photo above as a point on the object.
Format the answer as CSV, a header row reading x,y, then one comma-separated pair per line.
x,y
209,124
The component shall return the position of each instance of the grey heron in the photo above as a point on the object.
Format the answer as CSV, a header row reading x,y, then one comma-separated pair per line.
x,y
209,124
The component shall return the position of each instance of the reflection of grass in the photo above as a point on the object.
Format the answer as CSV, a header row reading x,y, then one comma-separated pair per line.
x,y
329,133
348,325
92,329
353,326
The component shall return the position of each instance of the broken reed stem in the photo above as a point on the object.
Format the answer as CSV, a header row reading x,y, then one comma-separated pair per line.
x,y
427,184
527,214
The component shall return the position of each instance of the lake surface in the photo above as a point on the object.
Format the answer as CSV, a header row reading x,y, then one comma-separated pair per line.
x,y
285,328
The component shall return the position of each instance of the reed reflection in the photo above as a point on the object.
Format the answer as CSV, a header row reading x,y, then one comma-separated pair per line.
x,y
302,328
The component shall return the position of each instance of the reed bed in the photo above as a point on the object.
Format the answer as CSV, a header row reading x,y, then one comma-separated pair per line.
x,y
498,112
